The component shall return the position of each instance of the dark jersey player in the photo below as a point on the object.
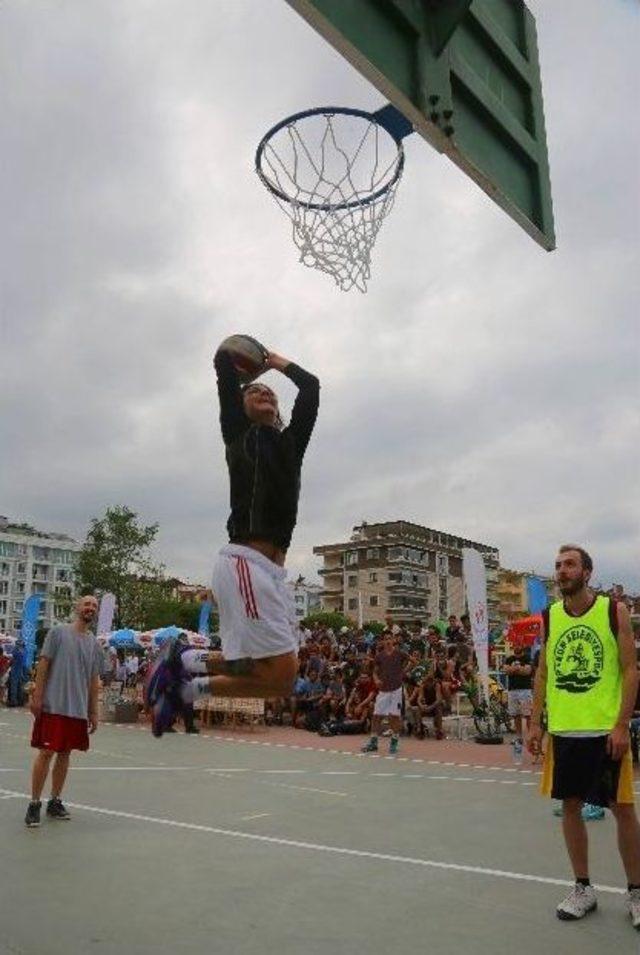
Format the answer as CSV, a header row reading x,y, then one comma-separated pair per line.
x,y
258,626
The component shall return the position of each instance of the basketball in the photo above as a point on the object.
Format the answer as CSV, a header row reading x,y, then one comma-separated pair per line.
x,y
247,354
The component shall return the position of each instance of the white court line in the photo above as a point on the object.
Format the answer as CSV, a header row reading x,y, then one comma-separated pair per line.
x,y
386,775
243,770
305,789
256,815
316,847
340,772
283,772
133,769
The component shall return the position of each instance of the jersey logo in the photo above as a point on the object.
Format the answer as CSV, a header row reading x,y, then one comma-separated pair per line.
x,y
578,659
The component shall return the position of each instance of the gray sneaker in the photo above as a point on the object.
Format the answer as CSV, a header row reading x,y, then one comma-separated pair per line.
x,y
32,818
580,901
633,905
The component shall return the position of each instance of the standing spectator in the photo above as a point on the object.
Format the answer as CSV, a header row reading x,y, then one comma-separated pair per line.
x,y
17,676
453,633
588,679
389,671
64,703
5,663
519,671
132,665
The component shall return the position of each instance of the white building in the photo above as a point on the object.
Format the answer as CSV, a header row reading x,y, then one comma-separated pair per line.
x,y
32,562
306,597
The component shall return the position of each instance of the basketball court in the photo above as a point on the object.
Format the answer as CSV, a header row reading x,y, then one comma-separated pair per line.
x,y
242,844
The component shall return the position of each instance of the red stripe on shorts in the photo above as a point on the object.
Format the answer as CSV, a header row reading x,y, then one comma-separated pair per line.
x,y
244,584
252,598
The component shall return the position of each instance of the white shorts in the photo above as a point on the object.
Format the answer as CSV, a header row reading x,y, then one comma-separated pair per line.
x,y
257,612
388,704
520,702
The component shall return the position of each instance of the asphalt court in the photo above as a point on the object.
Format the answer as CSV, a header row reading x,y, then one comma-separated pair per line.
x,y
208,843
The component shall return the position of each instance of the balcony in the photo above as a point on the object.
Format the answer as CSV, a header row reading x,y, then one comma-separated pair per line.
x,y
326,571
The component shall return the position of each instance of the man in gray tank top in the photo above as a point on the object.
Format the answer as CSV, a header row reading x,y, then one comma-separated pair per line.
x,y
65,704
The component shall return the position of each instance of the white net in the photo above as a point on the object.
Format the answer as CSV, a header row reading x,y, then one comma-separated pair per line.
x,y
335,176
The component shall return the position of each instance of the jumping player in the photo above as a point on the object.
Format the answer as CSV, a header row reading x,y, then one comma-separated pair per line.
x,y
587,676
257,619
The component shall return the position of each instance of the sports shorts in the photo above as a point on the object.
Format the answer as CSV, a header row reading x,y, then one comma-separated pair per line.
x,y
389,703
520,702
257,612
579,767
59,734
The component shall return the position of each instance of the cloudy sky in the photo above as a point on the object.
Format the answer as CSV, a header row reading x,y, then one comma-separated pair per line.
x,y
481,387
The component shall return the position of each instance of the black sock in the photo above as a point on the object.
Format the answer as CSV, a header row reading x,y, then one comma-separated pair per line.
x,y
583,881
633,886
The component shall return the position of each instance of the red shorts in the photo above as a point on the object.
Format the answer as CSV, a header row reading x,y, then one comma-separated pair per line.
x,y
59,734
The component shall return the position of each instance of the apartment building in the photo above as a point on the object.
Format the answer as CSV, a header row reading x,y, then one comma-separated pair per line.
x,y
34,562
306,596
512,593
403,571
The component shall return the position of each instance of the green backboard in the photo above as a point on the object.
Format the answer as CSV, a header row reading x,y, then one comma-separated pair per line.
x,y
466,74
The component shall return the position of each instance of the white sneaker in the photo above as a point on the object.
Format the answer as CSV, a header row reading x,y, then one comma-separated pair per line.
x,y
633,905
580,901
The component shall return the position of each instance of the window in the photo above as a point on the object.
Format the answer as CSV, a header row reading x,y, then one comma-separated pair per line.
x,y
352,558
373,601
443,608
5,568
20,586
352,580
22,568
4,586
373,577
3,606
353,603
373,553
18,605
7,549
443,564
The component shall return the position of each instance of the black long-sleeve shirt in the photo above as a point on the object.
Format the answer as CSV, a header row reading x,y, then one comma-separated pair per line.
x,y
264,463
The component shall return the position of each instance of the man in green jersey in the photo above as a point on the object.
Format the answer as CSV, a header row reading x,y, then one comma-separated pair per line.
x,y
588,680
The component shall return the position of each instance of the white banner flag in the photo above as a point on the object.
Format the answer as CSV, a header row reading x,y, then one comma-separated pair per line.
x,y
475,583
105,614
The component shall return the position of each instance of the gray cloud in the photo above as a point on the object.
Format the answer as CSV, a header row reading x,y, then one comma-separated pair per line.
x,y
482,386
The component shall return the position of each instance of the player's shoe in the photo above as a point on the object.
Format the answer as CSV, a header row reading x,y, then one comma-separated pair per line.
x,y
165,671
580,901
591,812
32,818
633,906
56,809
371,746
394,745
165,710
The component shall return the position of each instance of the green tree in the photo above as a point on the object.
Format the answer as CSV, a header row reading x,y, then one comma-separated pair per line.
x,y
373,626
332,619
115,558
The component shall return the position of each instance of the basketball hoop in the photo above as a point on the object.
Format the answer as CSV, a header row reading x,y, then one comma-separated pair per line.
x,y
334,171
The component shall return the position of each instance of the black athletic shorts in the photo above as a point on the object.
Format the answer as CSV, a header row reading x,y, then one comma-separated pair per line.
x,y
579,767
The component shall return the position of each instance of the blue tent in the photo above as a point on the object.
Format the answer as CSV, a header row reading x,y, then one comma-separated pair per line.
x,y
122,638
164,633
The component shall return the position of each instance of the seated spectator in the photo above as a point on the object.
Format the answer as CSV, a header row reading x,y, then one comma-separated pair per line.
x,y
412,710
332,702
306,697
431,703
360,703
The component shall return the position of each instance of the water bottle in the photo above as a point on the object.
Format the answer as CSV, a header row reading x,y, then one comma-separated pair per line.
x,y
517,752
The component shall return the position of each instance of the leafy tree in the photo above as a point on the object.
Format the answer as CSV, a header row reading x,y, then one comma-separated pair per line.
x,y
115,558
373,626
332,619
